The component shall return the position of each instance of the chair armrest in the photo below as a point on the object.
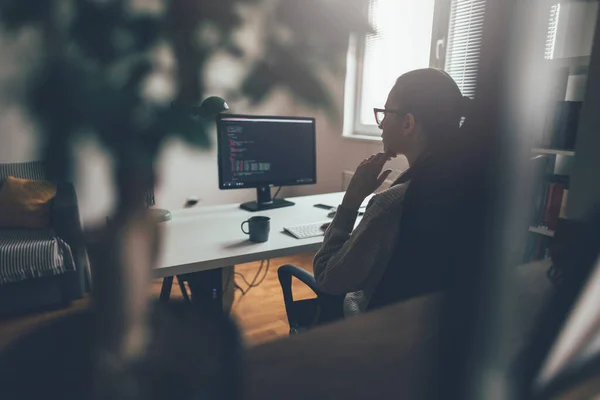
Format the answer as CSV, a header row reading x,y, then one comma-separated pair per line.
x,y
286,272
65,214
331,306
67,225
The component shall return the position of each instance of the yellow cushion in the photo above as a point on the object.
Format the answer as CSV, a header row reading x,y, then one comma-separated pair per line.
x,y
26,203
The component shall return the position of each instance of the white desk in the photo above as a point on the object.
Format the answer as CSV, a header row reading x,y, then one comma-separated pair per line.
x,y
205,238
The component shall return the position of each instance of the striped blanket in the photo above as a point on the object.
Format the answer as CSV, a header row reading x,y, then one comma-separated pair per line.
x,y
26,254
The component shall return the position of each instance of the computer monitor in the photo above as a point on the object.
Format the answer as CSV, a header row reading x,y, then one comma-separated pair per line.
x,y
264,151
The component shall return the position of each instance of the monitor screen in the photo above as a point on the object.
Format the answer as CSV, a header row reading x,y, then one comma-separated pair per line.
x,y
259,151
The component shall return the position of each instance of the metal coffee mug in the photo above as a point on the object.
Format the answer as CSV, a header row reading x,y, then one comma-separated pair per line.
x,y
258,228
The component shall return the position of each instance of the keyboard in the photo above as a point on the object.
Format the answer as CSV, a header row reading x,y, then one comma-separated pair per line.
x,y
307,230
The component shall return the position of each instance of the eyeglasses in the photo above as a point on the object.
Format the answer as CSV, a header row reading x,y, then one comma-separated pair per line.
x,y
380,114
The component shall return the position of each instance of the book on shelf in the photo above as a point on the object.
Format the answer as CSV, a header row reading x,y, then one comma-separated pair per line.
x,y
561,125
542,165
548,201
549,204
553,203
563,204
539,206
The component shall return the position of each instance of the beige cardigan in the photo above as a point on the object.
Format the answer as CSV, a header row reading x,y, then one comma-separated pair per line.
x,y
352,262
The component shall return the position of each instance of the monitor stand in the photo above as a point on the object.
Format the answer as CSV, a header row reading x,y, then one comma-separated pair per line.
x,y
264,201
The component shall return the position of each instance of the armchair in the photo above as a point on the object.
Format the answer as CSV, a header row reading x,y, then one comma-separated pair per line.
x,y
42,268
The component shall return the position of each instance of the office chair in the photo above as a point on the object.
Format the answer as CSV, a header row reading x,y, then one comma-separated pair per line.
x,y
305,314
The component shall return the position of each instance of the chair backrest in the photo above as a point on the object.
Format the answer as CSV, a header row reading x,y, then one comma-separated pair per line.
x,y
25,170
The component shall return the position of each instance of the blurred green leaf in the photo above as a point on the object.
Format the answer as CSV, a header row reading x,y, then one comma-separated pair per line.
x,y
191,130
234,49
138,71
146,30
259,82
302,80
299,75
55,99
95,28
17,13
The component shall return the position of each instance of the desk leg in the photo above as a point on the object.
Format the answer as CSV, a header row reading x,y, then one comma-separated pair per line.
x,y
165,291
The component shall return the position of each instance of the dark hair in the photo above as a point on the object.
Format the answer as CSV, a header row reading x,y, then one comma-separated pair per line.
x,y
434,99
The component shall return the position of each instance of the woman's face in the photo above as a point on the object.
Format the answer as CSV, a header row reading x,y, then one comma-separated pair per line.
x,y
394,126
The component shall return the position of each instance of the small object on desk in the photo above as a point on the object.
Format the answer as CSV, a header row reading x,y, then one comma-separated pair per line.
x,y
160,215
307,230
361,212
324,206
258,229
191,202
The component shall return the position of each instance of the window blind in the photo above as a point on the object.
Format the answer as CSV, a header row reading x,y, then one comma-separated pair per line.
x,y
552,28
464,43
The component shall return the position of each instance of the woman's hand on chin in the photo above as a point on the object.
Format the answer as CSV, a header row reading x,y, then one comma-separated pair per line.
x,y
367,178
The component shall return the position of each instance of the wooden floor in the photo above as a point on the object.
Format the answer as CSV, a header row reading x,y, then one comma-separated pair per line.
x,y
260,313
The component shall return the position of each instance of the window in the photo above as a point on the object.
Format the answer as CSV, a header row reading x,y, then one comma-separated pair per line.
x,y
570,32
552,29
401,42
409,34
464,43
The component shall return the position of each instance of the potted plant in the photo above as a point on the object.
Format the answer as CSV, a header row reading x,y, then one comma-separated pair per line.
x,y
99,61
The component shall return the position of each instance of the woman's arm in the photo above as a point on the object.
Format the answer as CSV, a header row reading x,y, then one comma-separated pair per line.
x,y
346,259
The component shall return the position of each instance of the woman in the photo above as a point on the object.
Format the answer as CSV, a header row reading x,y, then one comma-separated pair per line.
x,y
404,245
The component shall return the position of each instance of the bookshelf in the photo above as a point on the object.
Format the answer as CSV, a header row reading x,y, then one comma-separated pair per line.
x,y
550,196
558,152
541,231
554,147
574,63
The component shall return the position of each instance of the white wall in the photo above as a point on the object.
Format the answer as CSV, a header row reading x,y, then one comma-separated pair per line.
x,y
575,31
